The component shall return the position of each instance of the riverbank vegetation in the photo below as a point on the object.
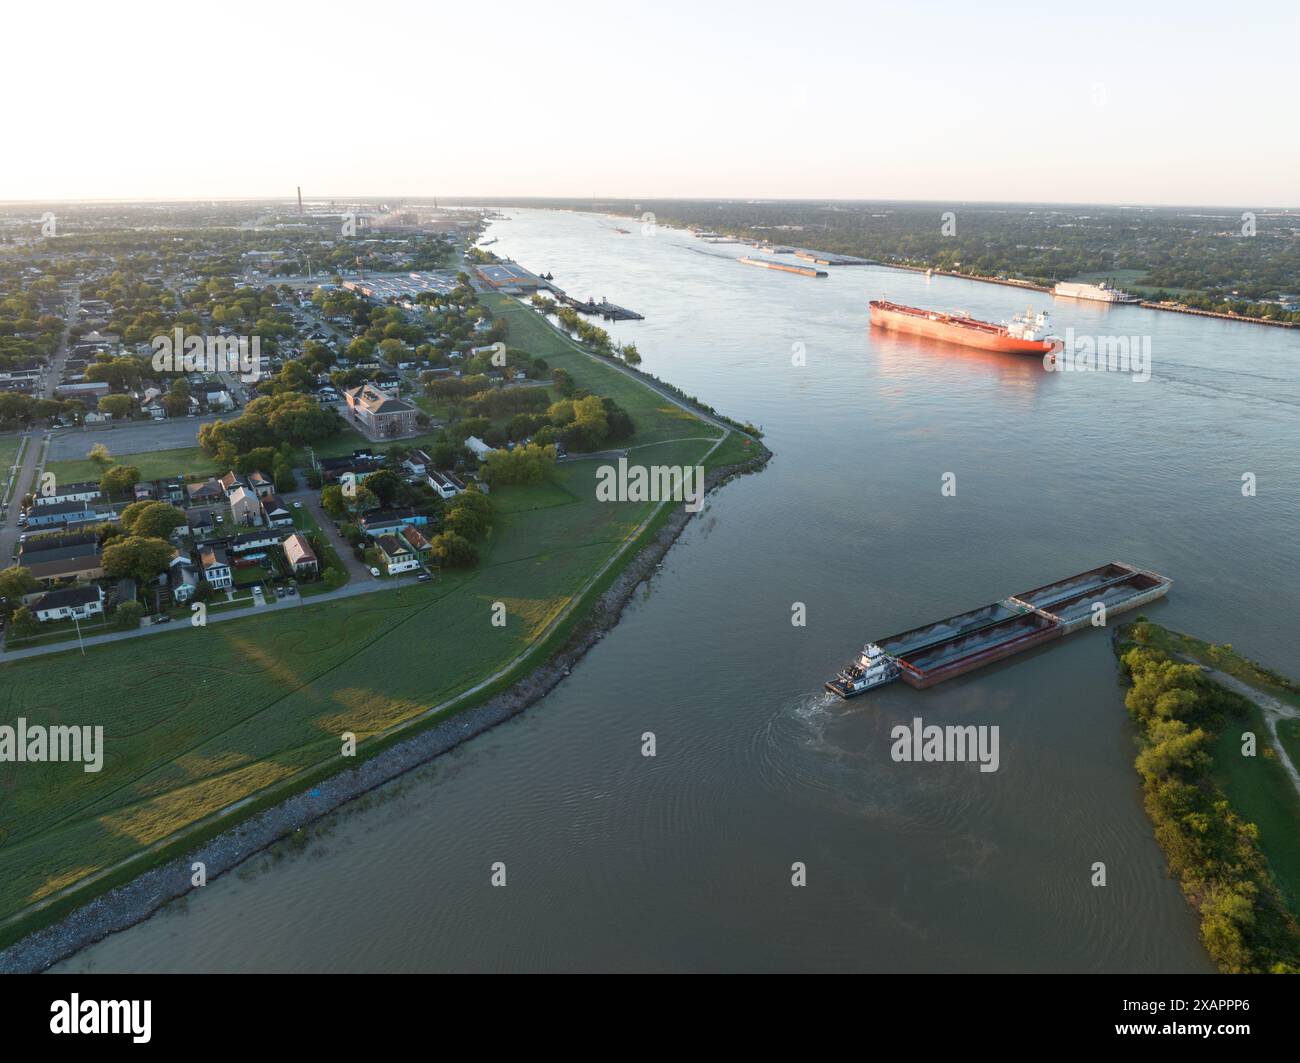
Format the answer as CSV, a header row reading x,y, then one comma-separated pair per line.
x,y
1187,724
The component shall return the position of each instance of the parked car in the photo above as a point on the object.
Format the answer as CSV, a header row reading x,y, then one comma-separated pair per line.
x,y
162,618
374,572
297,505
291,591
423,577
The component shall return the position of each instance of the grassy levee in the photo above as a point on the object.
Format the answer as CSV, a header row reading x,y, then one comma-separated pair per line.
x,y
245,713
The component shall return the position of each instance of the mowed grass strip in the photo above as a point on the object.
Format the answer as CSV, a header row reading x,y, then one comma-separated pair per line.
x,y
196,719
153,465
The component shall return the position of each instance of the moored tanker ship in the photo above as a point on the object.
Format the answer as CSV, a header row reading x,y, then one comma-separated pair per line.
x,y
1023,334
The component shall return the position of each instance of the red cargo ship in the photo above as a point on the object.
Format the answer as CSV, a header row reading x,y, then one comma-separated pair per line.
x,y
1024,334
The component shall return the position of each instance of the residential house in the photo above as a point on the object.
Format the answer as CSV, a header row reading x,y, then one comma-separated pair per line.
x,y
478,448
276,513
212,394
200,521
260,484
416,463
396,555
83,491
253,544
70,603
299,554
416,540
210,490
81,563
68,514
387,521
182,578
216,566
446,484
245,506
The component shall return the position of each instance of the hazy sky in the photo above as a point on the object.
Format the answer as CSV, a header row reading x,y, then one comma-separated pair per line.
x,y
1090,101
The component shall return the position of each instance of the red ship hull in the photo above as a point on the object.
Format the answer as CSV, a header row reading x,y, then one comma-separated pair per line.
x,y
953,328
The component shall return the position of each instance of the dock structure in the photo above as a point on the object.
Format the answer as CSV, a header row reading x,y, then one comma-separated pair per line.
x,y
959,644
605,309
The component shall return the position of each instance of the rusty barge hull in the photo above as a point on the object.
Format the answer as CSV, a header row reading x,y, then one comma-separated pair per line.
x,y
959,644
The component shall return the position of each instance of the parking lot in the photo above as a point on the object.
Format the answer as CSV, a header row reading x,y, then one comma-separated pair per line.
x,y
135,437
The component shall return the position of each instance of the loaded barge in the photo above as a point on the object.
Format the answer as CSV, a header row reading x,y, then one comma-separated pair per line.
x,y
958,644
785,267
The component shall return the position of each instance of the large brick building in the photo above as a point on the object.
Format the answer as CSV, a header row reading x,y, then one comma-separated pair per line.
x,y
379,416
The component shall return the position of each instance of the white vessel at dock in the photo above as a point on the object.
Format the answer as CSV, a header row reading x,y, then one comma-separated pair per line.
x,y
1100,293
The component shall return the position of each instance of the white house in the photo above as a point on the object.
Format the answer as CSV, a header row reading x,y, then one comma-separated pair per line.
x,y
478,448
448,485
70,603
216,567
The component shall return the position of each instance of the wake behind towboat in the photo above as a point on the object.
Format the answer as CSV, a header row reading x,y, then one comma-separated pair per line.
x,y
1023,334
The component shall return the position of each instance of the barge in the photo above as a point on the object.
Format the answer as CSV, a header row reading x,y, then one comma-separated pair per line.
x,y
785,267
959,644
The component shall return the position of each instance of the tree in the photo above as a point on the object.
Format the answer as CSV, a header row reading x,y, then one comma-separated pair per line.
x,y
118,407
118,480
138,557
15,581
155,520
128,615
386,486
333,501
99,455
364,500
631,355
452,550
285,480
24,623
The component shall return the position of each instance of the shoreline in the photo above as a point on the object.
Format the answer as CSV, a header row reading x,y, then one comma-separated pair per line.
x,y
1006,282
135,901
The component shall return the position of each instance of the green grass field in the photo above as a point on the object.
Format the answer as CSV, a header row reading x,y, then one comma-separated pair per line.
x,y
1261,791
153,465
1259,788
198,718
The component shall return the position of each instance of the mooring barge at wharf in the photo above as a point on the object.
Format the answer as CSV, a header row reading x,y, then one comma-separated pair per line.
x,y
959,644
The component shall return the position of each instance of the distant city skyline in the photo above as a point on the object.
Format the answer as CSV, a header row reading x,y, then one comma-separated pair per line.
x,y
1159,104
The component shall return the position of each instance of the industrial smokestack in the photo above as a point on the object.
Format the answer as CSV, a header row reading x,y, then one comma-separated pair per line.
x,y
300,199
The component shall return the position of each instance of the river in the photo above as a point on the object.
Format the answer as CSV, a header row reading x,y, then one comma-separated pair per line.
x,y
616,861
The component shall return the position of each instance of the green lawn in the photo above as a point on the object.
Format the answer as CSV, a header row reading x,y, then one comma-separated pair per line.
x,y
8,454
1261,791
1259,788
198,718
153,465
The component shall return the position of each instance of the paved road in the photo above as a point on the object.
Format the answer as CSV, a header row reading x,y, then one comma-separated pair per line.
x,y
24,482
350,590
310,499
